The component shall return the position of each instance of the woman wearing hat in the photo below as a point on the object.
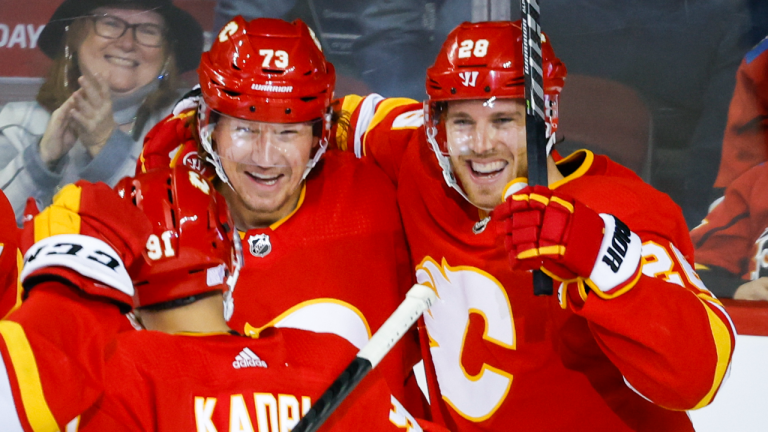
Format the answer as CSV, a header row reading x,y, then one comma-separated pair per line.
x,y
114,75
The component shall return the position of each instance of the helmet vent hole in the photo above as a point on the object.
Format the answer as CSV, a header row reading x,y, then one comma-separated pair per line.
x,y
308,99
173,218
307,73
195,271
235,66
273,71
170,192
231,93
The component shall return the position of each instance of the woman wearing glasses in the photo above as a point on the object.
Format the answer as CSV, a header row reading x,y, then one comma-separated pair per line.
x,y
114,75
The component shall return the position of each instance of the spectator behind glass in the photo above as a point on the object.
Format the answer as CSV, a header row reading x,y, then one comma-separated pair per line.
x,y
732,242
682,57
746,136
114,75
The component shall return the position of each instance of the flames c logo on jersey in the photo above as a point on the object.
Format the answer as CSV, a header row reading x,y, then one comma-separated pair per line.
x,y
462,291
260,245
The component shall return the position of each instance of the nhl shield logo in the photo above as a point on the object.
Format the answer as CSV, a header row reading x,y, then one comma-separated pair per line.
x,y
260,245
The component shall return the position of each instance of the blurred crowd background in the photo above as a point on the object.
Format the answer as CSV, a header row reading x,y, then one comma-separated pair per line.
x,y
650,82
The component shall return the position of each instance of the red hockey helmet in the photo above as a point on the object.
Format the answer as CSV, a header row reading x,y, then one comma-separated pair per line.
x,y
193,248
485,61
266,70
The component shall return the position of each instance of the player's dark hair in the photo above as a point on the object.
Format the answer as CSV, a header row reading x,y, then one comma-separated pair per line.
x,y
172,304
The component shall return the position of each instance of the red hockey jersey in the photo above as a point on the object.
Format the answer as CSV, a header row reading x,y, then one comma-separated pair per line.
x,y
53,354
745,143
500,358
734,235
221,382
10,259
337,264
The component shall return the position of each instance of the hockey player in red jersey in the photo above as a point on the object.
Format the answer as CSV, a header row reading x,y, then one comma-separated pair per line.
x,y
323,242
10,259
77,285
745,143
633,337
732,241
193,373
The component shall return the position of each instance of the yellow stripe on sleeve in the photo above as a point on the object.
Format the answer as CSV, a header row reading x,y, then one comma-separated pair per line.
x,y
722,339
382,111
176,156
350,104
36,408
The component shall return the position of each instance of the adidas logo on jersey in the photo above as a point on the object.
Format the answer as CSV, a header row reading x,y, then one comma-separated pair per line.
x,y
247,358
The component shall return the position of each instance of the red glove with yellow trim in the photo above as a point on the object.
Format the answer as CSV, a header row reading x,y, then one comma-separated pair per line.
x,y
88,238
549,230
170,143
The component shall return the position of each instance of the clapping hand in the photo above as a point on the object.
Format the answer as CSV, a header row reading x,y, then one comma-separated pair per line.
x,y
86,114
92,112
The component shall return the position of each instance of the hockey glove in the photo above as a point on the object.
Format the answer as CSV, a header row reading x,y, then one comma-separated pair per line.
x,y
88,238
548,230
171,142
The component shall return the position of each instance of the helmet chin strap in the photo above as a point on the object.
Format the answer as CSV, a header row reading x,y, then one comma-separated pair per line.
x,y
229,301
211,155
551,140
318,154
323,145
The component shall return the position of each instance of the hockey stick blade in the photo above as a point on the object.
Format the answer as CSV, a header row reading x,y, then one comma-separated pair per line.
x,y
418,299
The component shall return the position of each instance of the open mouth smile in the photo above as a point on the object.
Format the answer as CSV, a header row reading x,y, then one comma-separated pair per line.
x,y
486,170
121,61
264,179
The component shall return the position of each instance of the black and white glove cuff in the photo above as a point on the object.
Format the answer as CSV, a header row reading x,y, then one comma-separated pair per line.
x,y
88,256
618,265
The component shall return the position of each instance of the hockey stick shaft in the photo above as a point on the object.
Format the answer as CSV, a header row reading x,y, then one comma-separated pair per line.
x,y
418,299
535,127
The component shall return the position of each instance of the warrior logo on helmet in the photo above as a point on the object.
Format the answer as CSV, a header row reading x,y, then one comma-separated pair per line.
x,y
260,245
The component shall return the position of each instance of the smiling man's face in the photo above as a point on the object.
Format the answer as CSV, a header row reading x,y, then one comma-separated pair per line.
x,y
487,147
265,164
